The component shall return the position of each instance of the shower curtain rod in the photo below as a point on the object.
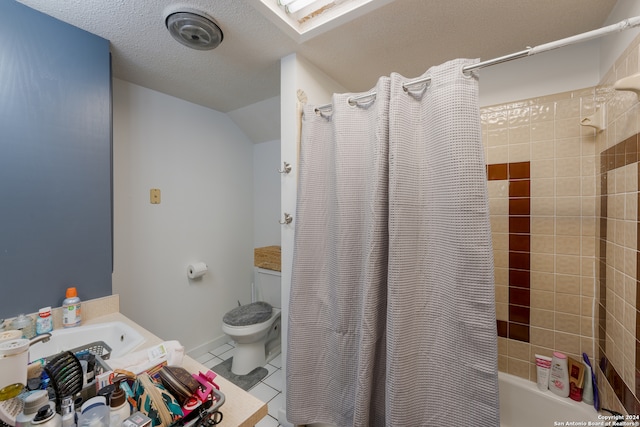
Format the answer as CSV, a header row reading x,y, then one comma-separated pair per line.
x,y
589,35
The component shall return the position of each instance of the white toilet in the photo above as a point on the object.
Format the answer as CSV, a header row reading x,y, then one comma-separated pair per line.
x,y
255,327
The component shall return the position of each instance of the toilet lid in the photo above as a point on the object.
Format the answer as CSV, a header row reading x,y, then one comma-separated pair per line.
x,y
250,314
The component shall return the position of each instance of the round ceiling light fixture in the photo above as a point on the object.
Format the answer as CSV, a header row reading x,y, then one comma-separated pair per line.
x,y
194,29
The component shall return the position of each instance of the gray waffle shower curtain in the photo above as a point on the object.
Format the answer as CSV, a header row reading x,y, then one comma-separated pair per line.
x,y
392,313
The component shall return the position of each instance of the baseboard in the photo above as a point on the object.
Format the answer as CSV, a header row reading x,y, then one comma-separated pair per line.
x,y
208,346
282,418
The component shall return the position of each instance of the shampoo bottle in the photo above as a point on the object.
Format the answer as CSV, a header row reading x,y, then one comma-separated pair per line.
x,y
559,376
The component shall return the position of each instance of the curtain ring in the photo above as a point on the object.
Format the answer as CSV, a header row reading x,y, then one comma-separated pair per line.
x,y
324,111
362,100
419,91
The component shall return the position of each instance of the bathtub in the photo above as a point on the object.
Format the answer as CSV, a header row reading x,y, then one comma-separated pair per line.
x,y
522,404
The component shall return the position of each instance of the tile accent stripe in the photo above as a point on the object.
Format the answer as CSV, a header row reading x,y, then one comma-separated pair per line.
x,y
620,155
518,175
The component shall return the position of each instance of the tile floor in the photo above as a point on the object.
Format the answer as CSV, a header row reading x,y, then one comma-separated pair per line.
x,y
268,390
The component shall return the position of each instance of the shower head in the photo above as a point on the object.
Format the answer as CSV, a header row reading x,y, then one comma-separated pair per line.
x,y
194,29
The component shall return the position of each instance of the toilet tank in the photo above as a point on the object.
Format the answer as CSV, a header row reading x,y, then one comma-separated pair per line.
x,y
267,286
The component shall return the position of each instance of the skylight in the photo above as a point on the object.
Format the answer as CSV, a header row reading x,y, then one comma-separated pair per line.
x,y
304,19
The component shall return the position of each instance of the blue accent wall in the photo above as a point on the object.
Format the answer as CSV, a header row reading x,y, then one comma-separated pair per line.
x,y
55,161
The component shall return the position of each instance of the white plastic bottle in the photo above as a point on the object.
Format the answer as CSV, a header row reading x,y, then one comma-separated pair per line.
x,y
543,365
587,393
559,376
94,413
32,403
44,322
46,417
71,313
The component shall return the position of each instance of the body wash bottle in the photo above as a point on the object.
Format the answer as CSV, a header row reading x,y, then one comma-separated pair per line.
x,y
543,365
559,378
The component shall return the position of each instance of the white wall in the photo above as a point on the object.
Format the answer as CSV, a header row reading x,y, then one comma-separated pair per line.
x,y
611,47
202,164
266,193
568,68
561,70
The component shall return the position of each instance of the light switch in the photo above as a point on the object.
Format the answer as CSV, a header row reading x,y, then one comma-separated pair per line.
x,y
154,196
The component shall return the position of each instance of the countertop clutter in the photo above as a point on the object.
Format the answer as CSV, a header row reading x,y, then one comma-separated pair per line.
x,y
240,408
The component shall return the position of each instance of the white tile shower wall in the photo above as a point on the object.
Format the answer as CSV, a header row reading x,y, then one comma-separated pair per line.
x,y
617,229
546,133
572,256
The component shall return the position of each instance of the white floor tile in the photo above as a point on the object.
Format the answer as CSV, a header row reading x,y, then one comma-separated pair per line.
x,y
277,361
205,358
213,362
275,404
270,369
274,380
263,392
227,354
222,349
267,422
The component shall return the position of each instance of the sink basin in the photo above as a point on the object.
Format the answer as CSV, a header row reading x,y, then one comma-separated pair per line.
x,y
121,337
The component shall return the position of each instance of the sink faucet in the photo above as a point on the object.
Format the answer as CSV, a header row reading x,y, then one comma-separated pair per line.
x,y
40,338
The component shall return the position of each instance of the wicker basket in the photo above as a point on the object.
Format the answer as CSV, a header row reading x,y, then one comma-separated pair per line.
x,y
268,257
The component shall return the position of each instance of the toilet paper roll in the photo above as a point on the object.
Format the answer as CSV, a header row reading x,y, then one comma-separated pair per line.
x,y
197,269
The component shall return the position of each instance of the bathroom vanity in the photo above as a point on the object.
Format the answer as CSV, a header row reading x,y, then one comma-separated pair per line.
x,y
240,408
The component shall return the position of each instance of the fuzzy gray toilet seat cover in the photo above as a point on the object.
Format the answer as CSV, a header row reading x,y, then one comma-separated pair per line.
x,y
249,314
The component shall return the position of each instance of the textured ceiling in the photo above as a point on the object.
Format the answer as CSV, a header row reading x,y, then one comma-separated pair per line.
x,y
406,36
